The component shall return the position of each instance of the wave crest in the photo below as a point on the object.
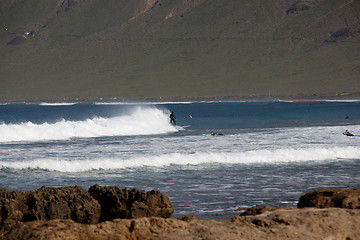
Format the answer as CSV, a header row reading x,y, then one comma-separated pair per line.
x,y
278,156
138,121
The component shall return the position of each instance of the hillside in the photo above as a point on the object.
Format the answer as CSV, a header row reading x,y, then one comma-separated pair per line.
x,y
178,49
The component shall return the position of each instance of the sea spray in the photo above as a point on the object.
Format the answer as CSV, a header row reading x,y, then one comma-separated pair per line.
x,y
138,121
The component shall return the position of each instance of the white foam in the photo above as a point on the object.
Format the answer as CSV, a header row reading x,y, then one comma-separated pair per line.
x,y
279,156
140,103
140,121
342,100
57,104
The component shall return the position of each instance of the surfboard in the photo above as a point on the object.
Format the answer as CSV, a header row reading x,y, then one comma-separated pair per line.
x,y
178,127
217,134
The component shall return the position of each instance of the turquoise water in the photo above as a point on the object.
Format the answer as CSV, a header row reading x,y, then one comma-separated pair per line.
x,y
270,154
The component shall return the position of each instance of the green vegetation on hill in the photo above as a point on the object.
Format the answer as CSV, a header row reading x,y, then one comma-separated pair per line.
x,y
178,49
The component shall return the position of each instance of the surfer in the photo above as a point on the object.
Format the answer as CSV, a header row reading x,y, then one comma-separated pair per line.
x,y
214,134
172,118
347,133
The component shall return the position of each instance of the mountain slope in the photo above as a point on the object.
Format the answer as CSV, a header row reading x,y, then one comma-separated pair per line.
x,y
178,49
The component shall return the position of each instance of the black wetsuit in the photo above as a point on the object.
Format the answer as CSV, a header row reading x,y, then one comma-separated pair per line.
x,y
172,118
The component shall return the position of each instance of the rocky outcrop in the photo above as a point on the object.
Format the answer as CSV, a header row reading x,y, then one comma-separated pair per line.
x,y
303,5
337,216
132,203
68,4
258,210
49,203
334,197
340,35
62,203
79,205
307,223
11,206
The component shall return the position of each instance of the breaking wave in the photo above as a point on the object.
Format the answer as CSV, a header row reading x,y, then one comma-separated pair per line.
x,y
279,156
138,121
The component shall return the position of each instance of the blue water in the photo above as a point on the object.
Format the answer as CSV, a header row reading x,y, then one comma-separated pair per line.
x,y
270,153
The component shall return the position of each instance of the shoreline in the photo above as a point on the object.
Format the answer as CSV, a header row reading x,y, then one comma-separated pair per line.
x,y
300,97
179,100
112,213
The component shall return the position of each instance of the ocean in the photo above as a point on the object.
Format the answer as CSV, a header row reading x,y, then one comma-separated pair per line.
x,y
269,153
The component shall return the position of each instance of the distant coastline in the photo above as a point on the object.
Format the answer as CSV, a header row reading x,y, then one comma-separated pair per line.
x,y
185,99
179,51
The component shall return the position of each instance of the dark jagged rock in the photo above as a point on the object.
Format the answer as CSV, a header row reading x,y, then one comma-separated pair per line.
x,y
257,210
62,203
297,8
79,205
340,35
49,203
189,218
334,197
131,203
67,5
11,209
300,6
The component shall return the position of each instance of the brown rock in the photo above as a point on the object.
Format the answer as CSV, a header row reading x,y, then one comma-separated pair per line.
x,y
306,223
11,209
334,197
131,203
257,210
63,203
189,218
49,203
268,223
301,224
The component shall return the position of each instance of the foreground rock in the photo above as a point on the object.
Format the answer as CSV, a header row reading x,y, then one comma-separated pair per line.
x,y
49,203
258,210
306,223
333,197
75,203
337,216
132,203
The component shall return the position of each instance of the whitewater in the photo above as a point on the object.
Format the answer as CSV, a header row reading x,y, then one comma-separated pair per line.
x,y
270,152
138,121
